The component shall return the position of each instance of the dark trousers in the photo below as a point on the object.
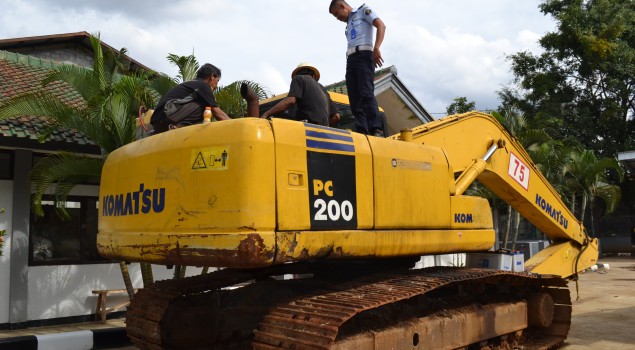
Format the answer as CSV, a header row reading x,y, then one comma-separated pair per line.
x,y
189,113
360,75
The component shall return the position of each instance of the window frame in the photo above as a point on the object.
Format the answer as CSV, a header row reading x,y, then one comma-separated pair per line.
x,y
84,257
11,165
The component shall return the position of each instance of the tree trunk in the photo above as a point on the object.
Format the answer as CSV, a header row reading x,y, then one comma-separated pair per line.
x,y
583,208
146,274
179,271
508,226
126,279
592,216
516,226
496,228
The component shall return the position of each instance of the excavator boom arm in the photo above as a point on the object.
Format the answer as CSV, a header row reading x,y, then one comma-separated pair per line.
x,y
511,174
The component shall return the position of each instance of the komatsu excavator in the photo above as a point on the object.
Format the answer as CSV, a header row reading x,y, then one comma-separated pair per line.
x,y
343,216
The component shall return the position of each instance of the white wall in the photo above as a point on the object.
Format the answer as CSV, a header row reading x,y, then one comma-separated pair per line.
x,y
66,290
6,202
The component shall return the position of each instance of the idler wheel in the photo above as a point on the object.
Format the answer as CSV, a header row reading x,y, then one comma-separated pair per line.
x,y
540,310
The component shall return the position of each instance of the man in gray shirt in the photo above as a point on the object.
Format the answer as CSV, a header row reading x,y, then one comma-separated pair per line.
x,y
311,98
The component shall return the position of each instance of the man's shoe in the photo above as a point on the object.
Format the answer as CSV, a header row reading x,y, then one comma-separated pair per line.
x,y
378,133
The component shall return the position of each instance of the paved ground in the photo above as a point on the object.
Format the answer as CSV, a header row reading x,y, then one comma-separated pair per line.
x,y
5,334
604,316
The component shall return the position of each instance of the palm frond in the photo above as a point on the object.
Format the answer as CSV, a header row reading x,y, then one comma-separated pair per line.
x,y
188,65
79,78
35,104
611,194
64,171
99,66
162,84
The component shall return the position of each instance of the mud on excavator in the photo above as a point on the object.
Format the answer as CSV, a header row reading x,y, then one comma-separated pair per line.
x,y
347,215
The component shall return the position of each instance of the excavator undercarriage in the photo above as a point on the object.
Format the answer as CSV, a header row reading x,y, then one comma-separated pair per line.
x,y
432,308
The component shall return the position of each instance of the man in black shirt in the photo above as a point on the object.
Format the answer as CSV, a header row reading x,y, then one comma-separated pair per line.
x,y
311,98
200,95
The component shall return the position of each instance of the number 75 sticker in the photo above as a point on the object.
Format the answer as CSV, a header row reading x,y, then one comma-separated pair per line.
x,y
518,170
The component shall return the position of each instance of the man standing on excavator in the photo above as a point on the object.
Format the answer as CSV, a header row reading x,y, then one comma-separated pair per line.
x,y
361,59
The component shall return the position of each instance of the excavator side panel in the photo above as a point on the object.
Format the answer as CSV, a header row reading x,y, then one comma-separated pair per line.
x,y
367,244
322,180
198,195
410,185
251,192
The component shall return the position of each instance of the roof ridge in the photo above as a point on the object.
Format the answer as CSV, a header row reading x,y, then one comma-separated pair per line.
x,y
29,60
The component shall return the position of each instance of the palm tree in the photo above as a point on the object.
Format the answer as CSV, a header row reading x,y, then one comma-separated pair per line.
x,y
106,99
188,65
104,112
586,176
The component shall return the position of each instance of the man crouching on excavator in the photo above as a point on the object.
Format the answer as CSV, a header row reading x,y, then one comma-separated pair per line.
x,y
311,99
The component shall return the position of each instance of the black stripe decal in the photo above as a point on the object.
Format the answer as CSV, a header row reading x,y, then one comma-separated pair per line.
x,y
327,136
330,146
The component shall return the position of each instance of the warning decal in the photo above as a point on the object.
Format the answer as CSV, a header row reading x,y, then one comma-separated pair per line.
x,y
213,158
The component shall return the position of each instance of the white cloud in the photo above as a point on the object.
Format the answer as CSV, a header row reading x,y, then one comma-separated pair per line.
x,y
442,50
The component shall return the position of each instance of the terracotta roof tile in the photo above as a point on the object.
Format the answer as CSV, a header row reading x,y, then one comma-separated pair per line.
x,y
20,74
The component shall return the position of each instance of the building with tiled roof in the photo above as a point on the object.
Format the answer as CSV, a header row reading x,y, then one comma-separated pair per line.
x,y
21,74
74,48
23,64
48,266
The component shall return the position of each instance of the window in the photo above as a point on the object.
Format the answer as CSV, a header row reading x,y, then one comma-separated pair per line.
x,y
6,165
54,241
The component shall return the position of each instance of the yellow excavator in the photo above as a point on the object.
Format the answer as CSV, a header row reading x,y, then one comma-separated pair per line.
x,y
315,231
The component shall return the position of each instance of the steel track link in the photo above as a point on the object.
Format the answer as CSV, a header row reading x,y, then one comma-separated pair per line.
x,y
313,323
149,306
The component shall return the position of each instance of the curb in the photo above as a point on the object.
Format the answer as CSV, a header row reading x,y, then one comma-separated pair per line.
x,y
79,340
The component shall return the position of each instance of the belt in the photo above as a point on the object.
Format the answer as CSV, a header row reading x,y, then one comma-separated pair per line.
x,y
358,48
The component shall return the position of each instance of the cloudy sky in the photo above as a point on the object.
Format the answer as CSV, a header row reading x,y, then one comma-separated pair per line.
x,y
442,48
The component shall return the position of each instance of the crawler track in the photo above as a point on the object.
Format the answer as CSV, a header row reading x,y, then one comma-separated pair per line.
x,y
318,312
